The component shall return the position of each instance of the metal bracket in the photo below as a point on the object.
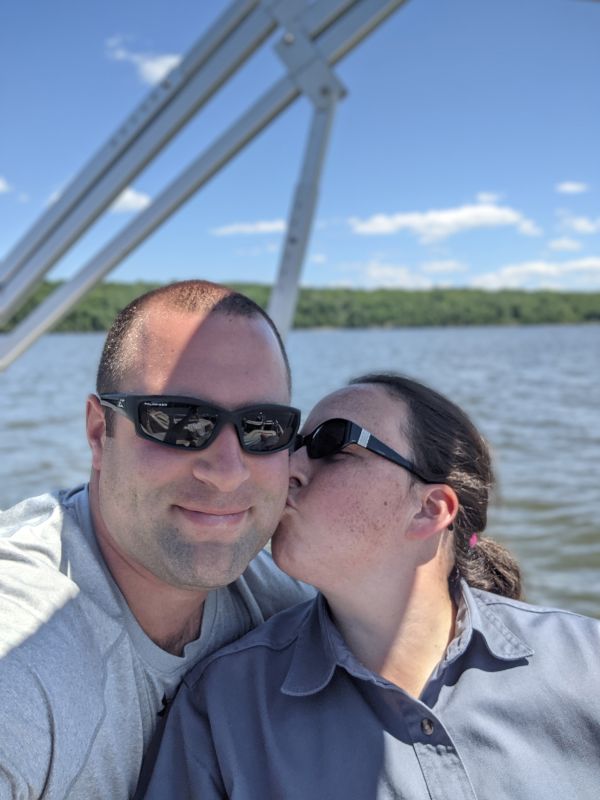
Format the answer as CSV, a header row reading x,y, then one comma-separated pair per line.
x,y
305,64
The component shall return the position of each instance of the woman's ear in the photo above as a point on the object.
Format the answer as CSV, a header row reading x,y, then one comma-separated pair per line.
x,y
439,507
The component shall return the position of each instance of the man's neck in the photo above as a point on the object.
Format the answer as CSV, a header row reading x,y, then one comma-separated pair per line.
x,y
400,636
170,616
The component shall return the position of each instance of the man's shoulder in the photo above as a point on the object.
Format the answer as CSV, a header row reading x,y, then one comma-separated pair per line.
x,y
32,587
262,644
56,647
48,600
32,512
36,525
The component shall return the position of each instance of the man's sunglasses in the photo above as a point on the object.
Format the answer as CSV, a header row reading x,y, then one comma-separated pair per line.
x,y
192,424
331,436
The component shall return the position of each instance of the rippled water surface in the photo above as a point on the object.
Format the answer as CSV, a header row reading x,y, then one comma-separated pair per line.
x,y
534,392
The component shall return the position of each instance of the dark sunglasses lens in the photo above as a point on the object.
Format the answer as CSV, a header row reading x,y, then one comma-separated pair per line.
x,y
176,424
327,439
265,430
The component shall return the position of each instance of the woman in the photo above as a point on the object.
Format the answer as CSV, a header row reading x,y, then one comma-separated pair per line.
x,y
416,672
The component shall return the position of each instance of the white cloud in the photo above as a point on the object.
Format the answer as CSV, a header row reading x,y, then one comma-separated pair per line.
x,y
444,266
571,187
54,196
318,258
488,198
377,273
151,67
130,200
249,228
565,244
530,273
591,263
529,228
438,224
258,251
4,185
582,224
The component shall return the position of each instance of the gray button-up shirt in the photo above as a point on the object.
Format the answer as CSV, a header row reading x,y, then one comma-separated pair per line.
x,y
512,712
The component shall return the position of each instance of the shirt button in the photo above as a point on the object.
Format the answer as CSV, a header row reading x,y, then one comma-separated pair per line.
x,y
427,726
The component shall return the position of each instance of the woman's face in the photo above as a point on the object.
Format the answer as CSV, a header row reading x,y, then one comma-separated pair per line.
x,y
347,515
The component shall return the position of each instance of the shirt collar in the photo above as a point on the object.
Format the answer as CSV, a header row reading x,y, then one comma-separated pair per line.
x,y
476,614
320,648
314,659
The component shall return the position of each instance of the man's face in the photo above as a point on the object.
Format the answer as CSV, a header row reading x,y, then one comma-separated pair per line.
x,y
194,519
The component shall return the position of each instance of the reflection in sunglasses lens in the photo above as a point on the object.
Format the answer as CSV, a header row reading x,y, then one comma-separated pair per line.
x,y
193,430
262,433
179,425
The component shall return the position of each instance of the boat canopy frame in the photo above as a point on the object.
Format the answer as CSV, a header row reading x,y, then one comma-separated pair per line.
x,y
314,38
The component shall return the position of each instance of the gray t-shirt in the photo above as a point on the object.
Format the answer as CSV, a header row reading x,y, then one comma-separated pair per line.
x,y
80,682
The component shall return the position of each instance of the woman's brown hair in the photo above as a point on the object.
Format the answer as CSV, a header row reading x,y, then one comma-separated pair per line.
x,y
448,448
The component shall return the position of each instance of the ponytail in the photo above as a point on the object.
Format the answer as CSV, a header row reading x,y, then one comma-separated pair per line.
x,y
491,567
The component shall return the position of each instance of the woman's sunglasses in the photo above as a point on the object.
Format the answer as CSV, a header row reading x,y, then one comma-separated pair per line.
x,y
331,436
192,424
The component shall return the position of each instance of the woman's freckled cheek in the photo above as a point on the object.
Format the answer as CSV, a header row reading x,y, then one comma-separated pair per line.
x,y
354,517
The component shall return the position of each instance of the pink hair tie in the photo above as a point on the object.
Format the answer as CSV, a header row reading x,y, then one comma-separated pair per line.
x,y
473,540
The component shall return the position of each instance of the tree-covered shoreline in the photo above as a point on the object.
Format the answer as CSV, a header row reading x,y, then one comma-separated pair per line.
x,y
359,308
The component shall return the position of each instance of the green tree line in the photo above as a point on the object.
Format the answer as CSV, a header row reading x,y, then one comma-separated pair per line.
x,y
358,308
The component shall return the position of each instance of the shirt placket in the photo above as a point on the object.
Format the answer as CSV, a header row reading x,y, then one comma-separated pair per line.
x,y
443,770
411,724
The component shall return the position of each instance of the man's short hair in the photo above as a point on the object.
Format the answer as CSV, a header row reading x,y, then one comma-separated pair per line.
x,y
194,296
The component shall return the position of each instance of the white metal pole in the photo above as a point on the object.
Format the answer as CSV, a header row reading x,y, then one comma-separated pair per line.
x,y
284,296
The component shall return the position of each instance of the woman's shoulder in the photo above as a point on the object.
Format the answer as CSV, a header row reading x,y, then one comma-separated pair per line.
x,y
537,623
261,645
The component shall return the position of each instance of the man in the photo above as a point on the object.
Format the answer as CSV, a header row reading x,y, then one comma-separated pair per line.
x,y
109,593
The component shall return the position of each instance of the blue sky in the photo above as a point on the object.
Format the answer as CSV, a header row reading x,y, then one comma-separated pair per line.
x,y
467,152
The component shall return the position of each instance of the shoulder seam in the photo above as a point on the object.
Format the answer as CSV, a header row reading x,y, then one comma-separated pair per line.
x,y
521,605
240,646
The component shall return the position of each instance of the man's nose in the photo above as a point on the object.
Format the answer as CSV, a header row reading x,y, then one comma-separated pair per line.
x,y
223,464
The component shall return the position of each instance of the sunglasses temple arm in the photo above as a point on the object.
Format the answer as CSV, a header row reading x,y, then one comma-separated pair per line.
x,y
383,450
113,407
298,442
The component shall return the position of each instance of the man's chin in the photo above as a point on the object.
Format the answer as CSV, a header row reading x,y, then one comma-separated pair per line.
x,y
212,564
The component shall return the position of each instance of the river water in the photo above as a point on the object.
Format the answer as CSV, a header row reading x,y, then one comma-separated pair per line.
x,y
533,391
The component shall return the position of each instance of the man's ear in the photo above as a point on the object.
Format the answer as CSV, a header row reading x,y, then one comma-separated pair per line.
x,y
439,506
95,428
